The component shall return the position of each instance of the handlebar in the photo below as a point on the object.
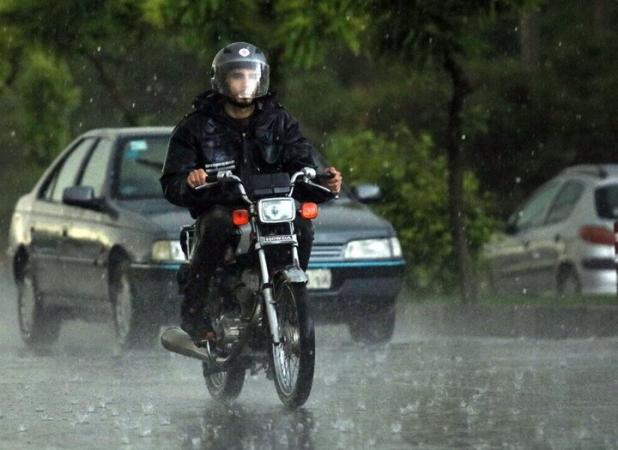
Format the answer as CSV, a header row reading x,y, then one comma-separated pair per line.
x,y
308,174
219,177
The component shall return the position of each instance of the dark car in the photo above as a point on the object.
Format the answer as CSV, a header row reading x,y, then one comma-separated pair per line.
x,y
96,236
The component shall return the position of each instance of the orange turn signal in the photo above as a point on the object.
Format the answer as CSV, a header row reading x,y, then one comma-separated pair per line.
x,y
240,217
309,210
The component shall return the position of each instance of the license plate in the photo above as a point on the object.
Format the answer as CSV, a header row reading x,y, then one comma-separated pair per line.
x,y
319,278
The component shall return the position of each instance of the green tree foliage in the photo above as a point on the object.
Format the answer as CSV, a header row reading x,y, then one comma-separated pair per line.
x,y
345,68
47,97
414,185
538,121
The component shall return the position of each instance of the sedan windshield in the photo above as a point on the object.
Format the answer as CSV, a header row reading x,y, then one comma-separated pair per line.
x,y
141,161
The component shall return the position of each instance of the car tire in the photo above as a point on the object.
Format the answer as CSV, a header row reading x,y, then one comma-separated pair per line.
x,y
568,283
133,321
38,324
374,328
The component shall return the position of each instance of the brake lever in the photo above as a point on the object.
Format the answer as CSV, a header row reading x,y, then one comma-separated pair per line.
x,y
205,185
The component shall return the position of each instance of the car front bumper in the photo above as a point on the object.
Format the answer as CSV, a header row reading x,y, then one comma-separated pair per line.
x,y
356,287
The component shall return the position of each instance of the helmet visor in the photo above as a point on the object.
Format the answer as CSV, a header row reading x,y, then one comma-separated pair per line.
x,y
244,80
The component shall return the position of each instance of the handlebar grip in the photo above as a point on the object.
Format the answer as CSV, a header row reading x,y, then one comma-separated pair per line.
x,y
212,177
324,176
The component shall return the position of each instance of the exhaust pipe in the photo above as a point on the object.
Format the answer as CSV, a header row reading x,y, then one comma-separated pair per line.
x,y
176,340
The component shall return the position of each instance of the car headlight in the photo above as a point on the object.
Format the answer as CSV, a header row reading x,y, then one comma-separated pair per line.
x,y
396,247
167,251
373,249
272,210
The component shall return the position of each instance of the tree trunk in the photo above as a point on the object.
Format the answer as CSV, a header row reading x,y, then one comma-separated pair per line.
x,y
529,39
115,94
465,269
600,16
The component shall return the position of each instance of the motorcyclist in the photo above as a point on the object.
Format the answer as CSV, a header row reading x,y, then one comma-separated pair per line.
x,y
237,125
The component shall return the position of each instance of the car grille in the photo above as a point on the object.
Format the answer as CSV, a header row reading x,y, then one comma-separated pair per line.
x,y
326,252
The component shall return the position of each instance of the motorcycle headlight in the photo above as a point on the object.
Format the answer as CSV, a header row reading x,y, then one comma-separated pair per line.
x,y
272,210
373,249
167,251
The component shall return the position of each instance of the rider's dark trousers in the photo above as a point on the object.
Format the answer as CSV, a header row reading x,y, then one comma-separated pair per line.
x,y
213,233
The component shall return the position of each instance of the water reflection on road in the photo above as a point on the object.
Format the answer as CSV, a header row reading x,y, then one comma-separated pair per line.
x,y
418,392
247,427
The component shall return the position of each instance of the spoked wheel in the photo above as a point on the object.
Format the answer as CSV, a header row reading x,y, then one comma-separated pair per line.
x,y
37,324
294,358
224,386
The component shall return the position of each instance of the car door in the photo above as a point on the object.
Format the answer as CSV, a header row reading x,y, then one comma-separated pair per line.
x,y
86,244
49,224
510,258
546,243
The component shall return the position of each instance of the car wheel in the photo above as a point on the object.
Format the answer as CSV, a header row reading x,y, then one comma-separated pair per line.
x,y
133,321
37,324
568,283
373,328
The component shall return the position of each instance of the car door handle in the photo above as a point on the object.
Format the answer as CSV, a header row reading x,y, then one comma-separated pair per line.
x,y
557,237
65,232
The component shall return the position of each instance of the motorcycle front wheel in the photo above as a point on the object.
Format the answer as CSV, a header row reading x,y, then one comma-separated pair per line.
x,y
293,359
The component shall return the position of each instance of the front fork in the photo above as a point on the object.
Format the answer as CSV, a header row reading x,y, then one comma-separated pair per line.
x,y
267,290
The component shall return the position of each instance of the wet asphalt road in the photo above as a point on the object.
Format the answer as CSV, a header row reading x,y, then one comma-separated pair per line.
x,y
420,391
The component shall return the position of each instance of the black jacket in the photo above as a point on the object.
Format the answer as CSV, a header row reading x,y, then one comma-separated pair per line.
x,y
207,138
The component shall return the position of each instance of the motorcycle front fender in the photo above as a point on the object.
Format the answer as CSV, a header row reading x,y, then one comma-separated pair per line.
x,y
293,274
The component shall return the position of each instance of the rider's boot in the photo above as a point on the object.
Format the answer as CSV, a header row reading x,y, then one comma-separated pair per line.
x,y
196,323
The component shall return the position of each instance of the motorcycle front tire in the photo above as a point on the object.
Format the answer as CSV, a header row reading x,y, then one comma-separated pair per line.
x,y
297,340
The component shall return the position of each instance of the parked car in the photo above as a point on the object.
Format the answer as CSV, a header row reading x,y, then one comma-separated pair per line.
x,y
561,240
95,236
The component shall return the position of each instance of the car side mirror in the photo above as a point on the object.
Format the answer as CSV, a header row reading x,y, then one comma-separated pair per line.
x,y
83,196
79,196
367,193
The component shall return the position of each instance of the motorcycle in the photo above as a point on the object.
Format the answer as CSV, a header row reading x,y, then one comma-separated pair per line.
x,y
257,298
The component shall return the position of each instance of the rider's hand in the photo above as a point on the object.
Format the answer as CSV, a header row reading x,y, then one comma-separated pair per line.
x,y
196,178
333,183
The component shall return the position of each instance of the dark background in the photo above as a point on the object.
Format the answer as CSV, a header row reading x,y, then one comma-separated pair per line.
x,y
366,80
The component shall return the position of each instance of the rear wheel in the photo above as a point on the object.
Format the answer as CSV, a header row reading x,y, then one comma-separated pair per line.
x,y
568,283
374,327
133,322
224,386
294,358
37,324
